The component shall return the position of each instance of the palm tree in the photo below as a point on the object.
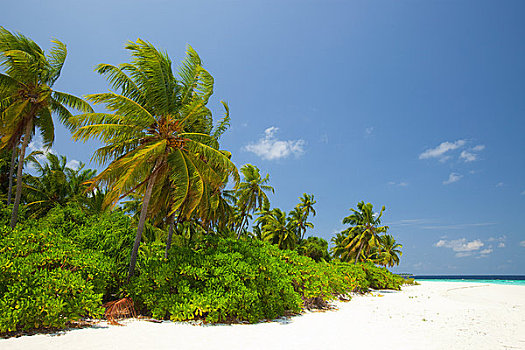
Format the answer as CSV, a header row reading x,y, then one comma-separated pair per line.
x,y
251,193
56,184
339,249
297,219
307,204
364,234
388,253
27,100
159,128
277,230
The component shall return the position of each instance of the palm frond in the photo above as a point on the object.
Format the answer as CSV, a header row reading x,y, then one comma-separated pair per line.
x,y
72,102
224,123
56,58
44,122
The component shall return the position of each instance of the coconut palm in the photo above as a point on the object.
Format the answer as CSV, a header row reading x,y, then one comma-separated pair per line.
x,y
339,249
388,253
277,230
251,193
365,232
27,99
56,184
159,131
307,204
298,220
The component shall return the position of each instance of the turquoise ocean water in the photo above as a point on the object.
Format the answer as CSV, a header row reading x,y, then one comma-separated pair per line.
x,y
508,280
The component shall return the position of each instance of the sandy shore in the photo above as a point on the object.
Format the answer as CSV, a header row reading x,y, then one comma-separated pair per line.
x,y
434,315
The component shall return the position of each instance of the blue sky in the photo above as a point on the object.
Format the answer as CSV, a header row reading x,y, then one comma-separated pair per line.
x,y
415,105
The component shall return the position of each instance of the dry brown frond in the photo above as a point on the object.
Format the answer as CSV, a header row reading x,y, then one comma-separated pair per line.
x,y
118,310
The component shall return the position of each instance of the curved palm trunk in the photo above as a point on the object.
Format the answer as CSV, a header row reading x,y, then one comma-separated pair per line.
x,y
140,228
11,171
243,216
27,135
170,235
359,253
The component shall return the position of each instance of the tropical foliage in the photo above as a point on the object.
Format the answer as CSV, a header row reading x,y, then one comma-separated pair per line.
x,y
159,138
366,239
27,100
168,222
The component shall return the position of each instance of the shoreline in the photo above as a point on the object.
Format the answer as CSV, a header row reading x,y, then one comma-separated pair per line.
x,y
433,315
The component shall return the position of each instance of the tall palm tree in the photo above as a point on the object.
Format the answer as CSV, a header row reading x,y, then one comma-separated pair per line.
x,y
307,204
339,249
159,130
27,99
365,232
298,220
251,193
56,184
277,230
388,253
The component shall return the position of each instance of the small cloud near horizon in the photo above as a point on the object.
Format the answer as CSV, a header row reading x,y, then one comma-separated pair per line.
x,y
270,148
462,247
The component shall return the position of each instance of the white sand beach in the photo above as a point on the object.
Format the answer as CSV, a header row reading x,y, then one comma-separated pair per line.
x,y
434,315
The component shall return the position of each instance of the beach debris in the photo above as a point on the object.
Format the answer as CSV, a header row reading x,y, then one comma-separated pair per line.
x,y
315,303
118,310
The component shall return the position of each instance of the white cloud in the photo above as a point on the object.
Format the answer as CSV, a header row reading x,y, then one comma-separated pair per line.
x,y
369,131
453,177
501,245
460,245
73,164
400,184
439,151
467,156
478,148
270,148
522,243
486,251
463,254
499,184
36,144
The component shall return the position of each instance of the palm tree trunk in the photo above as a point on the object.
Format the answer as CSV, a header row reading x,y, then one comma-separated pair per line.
x,y
27,136
170,235
142,221
11,171
241,225
359,253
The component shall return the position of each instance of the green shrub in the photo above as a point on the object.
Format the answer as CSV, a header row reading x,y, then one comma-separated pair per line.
x,y
322,280
223,280
64,266
111,234
381,278
45,281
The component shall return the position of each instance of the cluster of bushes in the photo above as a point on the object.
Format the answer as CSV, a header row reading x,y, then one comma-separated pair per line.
x,y
64,266
60,268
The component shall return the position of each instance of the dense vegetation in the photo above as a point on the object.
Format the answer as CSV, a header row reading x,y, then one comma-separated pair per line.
x,y
63,266
159,223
